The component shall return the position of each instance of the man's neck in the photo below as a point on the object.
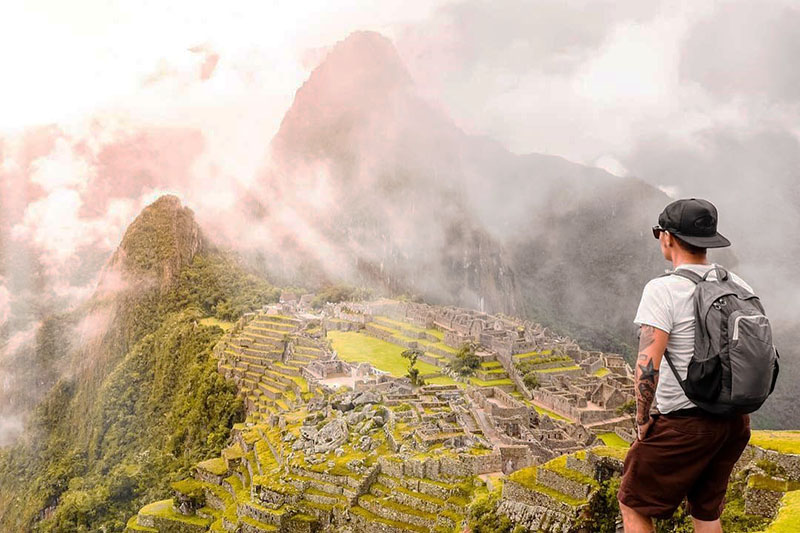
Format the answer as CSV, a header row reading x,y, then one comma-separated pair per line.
x,y
689,260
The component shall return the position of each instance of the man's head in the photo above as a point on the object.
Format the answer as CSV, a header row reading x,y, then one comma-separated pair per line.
x,y
690,227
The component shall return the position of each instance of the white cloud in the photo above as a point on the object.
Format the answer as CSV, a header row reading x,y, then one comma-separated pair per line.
x,y
75,59
670,190
10,427
62,168
52,224
5,303
611,164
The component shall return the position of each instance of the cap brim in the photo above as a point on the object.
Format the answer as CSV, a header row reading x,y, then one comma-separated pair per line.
x,y
714,241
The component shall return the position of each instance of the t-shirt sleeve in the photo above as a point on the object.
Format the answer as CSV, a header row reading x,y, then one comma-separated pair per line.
x,y
655,307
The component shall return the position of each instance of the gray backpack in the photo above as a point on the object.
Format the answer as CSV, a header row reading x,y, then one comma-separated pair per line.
x,y
735,364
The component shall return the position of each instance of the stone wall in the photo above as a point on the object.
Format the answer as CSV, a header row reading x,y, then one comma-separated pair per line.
x,y
514,457
590,417
555,402
564,485
340,325
788,463
535,517
515,492
625,434
762,502
444,468
507,362
592,366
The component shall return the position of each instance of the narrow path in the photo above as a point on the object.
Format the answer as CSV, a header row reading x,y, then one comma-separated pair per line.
x,y
488,431
608,421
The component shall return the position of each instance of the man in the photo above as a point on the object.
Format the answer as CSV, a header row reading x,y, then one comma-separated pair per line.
x,y
679,451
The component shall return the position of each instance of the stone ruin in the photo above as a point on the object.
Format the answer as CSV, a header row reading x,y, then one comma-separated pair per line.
x,y
374,453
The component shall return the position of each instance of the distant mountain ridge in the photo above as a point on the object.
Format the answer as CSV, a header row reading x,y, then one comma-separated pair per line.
x,y
419,206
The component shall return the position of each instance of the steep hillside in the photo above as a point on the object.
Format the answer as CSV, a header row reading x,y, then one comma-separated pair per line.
x,y
140,399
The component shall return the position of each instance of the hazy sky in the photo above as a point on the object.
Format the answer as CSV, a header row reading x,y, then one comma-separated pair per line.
x,y
672,92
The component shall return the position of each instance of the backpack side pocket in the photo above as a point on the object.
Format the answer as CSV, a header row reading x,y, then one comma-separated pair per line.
x,y
704,379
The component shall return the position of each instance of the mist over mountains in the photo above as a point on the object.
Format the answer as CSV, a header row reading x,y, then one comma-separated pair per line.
x,y
368,182
404,198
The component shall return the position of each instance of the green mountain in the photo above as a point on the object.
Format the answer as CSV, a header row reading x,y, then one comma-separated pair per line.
x,y
139,401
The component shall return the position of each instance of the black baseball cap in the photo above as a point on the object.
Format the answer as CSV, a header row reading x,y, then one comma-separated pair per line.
x,y
694,221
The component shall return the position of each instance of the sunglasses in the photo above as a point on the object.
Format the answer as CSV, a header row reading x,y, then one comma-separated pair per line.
x,y
657,230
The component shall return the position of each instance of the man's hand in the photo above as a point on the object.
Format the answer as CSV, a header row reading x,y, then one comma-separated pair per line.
x,y
642,429
652,343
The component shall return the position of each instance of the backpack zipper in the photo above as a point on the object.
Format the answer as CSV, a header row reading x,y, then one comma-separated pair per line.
x,y
736,323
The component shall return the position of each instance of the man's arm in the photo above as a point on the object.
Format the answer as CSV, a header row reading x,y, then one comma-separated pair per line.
x,y
652,343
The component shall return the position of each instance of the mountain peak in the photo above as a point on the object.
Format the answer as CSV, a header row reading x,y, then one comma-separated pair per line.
x,y
360,74
161,240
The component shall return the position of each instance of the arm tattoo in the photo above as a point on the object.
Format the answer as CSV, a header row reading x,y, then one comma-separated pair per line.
x,y
646,339
644,400
648,373
646,376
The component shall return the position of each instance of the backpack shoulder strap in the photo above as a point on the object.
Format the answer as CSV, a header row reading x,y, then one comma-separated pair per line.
x,y
694,277
722,274
674,371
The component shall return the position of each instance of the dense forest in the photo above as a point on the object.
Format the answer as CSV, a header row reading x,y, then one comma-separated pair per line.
x,y
132,409
163,408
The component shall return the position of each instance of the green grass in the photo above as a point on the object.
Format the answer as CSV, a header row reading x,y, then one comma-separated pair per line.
x,y
528,355
759,481
369,517
551,414
788,515
400,324
133,525
164,509
355,347
492,383
779,441
216,466
614,452
557,369
436,333
213,321
527,478
613,440
443,380
441,345
301,383
601,372
259,526
559,466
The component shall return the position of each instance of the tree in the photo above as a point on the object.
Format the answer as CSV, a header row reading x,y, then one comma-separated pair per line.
x,y
466,362
531,380
413,373
627,408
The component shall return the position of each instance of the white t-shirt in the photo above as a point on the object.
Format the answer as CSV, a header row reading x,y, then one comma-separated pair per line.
x,y
667,305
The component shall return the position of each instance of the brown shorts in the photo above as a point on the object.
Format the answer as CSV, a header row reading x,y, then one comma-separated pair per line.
x,y
683,456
